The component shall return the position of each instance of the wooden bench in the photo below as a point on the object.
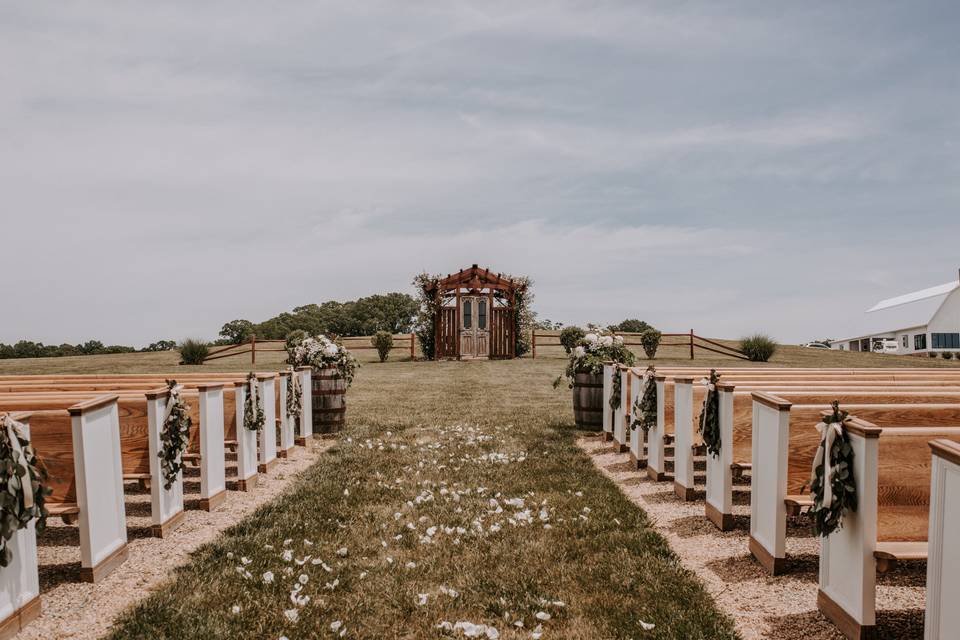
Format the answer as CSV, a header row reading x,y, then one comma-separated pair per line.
x,y
942,618
891,524
80,447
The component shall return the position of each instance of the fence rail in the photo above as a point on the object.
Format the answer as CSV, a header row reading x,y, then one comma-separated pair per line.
x,y
690,339
354,343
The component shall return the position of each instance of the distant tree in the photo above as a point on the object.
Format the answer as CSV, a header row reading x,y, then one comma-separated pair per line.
x,y
161,345
631,325
547,325
237,331
27,349
90,347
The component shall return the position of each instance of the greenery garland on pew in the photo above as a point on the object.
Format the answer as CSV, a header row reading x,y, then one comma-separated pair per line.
x,y
253,416
710,415
23,488
294,397
645,407
174,435
830,506
615,391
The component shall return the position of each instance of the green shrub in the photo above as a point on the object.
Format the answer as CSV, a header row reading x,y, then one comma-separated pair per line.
x,y
650,339
630,325
383,341
193,351
947,355
570,336
931,354
759,347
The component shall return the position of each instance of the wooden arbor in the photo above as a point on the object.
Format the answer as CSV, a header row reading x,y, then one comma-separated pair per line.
x,y
475,314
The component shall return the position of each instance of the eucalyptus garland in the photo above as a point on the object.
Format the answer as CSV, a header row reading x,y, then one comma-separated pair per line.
x,y
832,482
645,406
23,487
615,391
710,415
253,416
174,435
294,397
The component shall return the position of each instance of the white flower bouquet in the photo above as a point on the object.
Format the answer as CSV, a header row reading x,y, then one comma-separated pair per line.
x,y
319,352
595,348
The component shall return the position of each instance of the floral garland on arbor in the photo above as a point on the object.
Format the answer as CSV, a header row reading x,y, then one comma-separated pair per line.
x,y
174,434
831,481
294,397
253,416
710,414
592,351
321,352
645,406
616,390
22,485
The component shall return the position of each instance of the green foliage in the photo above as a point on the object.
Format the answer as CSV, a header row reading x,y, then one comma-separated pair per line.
x,y
193,351
947,355
14,469
829,518
630,325
570,337
616,389
425,324
28,349
161,345
932,354
294,398
393,312
383,341
592,351
758,347
645,407
237,331
650,339
524,317
253,415
174,435
291,340
710,416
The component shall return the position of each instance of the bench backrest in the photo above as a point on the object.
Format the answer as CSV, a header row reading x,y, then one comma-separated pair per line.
x,y
51,434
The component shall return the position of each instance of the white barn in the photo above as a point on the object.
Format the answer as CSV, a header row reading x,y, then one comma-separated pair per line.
x,y
919,322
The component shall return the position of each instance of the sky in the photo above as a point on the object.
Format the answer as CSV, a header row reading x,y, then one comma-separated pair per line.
x,y
727,167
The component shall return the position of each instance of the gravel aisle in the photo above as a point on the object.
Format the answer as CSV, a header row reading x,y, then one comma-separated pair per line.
x,y
782,607
78,610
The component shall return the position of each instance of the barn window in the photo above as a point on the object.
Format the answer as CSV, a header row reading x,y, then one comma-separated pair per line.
x,y
945,340
920,341
906,341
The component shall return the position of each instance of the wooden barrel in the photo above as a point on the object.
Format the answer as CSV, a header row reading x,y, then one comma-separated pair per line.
x,y
329,398
588,401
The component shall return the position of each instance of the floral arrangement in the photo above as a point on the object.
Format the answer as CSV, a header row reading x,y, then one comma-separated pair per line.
x,y
174,434
710,414
320,352
253,416
831,481
22,483
645,407
592,351
616,390
294,397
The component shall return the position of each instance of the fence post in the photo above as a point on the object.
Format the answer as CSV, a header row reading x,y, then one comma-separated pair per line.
x,y
691,344
253,348
412,342
533,343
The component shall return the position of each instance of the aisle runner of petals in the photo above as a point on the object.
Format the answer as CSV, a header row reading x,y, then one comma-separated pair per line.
x,y
309,572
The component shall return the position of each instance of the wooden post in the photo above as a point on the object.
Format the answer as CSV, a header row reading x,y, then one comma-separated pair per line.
x,y
253,348
533,342
413,340
691,344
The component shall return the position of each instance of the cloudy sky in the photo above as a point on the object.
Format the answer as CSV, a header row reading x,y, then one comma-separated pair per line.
x,y
165,167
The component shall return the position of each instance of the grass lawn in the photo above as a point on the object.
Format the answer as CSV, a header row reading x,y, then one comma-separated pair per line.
x,y
456,494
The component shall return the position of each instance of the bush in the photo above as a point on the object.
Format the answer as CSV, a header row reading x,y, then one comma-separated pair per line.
x,y
570,337
383,341
630,325
758,347
193,351
947,355
931,354
650,339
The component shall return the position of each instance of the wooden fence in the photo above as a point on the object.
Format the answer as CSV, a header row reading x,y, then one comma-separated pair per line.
x,y
689,339
408,342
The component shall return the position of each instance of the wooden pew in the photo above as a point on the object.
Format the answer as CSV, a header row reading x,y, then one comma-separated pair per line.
x,y
942,619
784,443
892,472
80,447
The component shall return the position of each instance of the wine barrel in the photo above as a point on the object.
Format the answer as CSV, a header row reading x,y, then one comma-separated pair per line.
x,y
588,401
329,400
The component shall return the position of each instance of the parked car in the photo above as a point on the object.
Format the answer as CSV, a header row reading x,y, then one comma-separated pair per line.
x,y
816,345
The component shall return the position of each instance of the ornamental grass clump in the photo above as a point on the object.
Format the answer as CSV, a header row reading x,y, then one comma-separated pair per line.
x,y
193,351
382,341
320,352
650,340
758,347
592,351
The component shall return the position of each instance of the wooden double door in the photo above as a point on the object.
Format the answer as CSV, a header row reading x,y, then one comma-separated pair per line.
x,y
474,327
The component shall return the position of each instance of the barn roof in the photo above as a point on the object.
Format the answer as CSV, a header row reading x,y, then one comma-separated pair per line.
x,y
901,312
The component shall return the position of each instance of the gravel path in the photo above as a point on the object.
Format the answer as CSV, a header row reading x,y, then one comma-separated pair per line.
x,y
782,607
78,610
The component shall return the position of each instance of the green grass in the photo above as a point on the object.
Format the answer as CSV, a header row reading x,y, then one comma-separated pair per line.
x,y
599,556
